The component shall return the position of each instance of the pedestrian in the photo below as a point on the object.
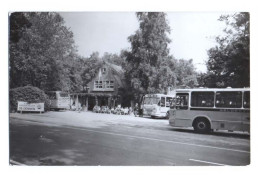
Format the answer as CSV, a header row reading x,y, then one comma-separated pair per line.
x,y
136,110
79,107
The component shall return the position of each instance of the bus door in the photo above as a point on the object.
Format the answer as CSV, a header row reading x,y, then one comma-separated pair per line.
x,y
231,112
246,113
182,101
163,107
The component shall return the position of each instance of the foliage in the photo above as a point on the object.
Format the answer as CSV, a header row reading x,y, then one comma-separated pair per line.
x,y
28,94
186,73
149,68
148,53
41,50
115,59
229,61
90,68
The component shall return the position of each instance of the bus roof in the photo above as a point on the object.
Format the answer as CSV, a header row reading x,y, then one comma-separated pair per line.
x,y
148,95
212,89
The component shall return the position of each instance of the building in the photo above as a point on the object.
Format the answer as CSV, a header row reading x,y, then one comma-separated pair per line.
x,y
105,89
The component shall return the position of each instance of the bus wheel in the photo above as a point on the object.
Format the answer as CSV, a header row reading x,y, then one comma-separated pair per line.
x,y
201,125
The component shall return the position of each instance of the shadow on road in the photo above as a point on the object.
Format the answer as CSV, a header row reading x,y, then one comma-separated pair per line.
x,y
215,133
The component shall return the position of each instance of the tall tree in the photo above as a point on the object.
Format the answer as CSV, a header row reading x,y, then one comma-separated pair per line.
x,y
229,61
115,59
186,73
40,47
147,70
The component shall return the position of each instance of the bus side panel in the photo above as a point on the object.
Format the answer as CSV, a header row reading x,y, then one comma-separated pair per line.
x,y
183,118
246,121
225,120
219,120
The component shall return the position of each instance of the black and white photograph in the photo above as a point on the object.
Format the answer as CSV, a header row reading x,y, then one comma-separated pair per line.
x,y
129,88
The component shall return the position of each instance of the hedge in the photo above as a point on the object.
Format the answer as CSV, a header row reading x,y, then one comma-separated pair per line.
x,y
28,94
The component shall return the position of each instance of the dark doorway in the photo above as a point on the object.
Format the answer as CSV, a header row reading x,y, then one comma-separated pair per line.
x,y
91,103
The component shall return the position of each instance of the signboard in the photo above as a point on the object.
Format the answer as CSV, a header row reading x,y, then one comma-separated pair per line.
x,y
24,106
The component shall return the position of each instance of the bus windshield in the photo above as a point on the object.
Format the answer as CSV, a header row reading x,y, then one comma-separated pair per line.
x,y
151,100
64,95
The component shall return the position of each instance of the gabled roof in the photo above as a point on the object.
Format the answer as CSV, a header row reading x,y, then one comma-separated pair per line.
x,y
119,76
116,68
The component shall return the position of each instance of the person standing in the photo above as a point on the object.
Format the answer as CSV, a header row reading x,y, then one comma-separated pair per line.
x,y
79,107
136,109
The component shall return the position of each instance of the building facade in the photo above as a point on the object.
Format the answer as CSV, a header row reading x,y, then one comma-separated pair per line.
x,y
105,89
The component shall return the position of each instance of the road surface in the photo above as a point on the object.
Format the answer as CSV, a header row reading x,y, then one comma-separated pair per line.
x,y
89,139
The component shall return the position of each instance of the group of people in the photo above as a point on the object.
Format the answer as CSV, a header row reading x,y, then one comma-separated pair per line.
x,y
76,108
117,110
105,109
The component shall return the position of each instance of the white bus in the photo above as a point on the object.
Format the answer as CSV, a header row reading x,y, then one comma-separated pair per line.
x,y
59,100
212,109
157,105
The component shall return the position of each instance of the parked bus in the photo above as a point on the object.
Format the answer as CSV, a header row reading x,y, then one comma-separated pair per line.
x,y
157,105
212,109
59,100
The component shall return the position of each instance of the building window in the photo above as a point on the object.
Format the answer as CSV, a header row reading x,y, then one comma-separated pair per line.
x,y
104,84
109,84
98,85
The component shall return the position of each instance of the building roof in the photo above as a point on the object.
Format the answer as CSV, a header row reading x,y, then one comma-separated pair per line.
x,y
119,76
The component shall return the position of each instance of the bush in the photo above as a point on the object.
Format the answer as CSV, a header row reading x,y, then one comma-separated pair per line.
x,y
28,94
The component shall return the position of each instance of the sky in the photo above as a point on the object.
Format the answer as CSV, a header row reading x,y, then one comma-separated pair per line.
x,y
192,34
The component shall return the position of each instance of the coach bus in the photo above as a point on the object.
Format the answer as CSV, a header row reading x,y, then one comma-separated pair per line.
x,y
157,105
212,109
59,100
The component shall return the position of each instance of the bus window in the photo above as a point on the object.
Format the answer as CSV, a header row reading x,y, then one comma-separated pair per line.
x,y
202,99
229,99
246,101
52,95
168,101
182,100
162,101
151,100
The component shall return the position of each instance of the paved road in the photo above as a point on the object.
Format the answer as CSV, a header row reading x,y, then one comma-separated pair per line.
x,y
71,138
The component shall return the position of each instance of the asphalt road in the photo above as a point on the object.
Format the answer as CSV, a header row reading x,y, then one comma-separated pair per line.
x,y
71,138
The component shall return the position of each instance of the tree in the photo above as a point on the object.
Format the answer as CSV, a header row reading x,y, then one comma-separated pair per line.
x,y
90,68
186,73
229,61
115,59
41,47
147,69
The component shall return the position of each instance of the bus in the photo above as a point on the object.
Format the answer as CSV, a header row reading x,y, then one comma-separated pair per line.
x,y
157,105
208,109
59,100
